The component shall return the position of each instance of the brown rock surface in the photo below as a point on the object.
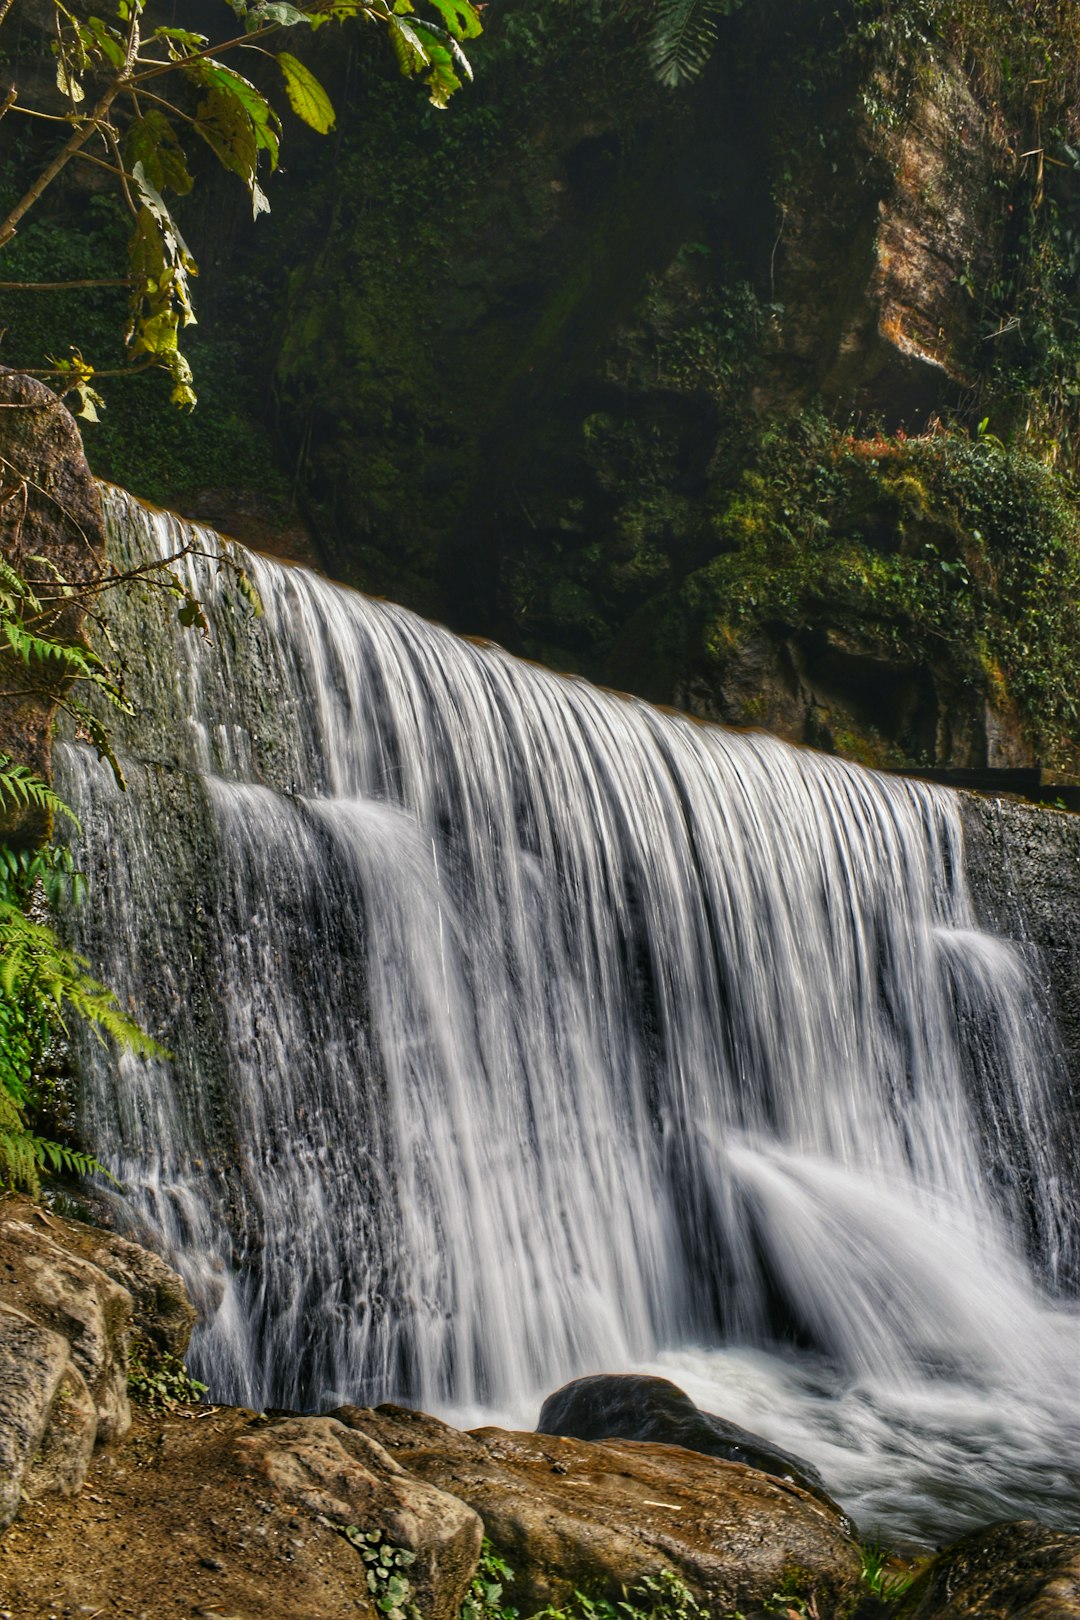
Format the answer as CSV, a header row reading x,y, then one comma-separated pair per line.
x,y
162,1312
70,1296
47,1420
572,1513
172,1523
1013,1571
73,1298
325,1468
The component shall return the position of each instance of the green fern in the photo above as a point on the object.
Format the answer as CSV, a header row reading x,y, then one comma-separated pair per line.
x,y
43,984
17,597
683,37
20,786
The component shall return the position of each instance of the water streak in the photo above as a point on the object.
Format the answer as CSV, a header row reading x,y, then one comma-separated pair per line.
x,y
521,1030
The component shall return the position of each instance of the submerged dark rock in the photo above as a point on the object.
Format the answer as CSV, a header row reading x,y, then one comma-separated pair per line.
x,y
630,1406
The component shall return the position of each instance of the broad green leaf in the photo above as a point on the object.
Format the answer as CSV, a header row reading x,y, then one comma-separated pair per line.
x,y
460,18
107,41
88,402
229,133
407,45
224,81
181,42
275,11
441,79
307,97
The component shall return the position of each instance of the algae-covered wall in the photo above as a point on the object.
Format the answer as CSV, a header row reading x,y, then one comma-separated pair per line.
x,y
1023,869
756,395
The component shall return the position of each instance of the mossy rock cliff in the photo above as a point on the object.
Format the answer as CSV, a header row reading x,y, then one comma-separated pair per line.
x,y
758,396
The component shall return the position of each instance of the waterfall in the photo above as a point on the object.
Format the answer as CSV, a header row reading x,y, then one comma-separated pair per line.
x,y
520,1030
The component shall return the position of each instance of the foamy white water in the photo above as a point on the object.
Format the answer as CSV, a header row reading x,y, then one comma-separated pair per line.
x,y
521,1030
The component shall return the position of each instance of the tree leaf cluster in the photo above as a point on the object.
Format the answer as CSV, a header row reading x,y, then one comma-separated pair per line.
x,y
136,93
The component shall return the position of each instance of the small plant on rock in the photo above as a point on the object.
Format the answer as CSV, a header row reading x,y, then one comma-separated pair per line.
x,y
654,1597
160,1380
484,1599
880,1576
387,1582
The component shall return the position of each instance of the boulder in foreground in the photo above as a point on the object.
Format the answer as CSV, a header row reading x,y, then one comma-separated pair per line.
x,y
572,1514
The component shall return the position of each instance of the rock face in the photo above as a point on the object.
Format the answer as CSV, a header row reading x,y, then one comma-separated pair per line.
x,y
572,1514
48,1422
321,1465
162,1313
65,1323
1014,1571
1023,870
628,1406
50,507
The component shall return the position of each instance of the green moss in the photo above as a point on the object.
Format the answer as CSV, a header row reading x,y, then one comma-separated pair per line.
x,y
936,549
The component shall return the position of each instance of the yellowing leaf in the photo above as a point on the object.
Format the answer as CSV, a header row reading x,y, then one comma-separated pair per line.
x,y
307,97
67,83
152,141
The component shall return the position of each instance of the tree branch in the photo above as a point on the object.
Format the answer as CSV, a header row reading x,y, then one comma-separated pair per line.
x,y
79,137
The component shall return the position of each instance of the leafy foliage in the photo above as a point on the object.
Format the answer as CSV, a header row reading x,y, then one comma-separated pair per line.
x,y
653,1597
683,37
137,128
28,613
484,1599
42,984
159,1380
882,1575
913,544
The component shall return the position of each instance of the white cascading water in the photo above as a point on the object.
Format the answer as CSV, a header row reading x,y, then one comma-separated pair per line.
x,y
520,1030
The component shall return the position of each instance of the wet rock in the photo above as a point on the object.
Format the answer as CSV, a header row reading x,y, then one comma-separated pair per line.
x,y
348,1477
628,1406
599,1516
1013,1571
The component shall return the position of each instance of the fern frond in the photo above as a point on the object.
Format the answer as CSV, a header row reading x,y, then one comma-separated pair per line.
x,y
683,37
19,1160
62,1157
23,788
16,595
94,731
71,659
34,958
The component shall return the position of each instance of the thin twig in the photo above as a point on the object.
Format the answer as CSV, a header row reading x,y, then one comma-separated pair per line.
x,y
52,118
88,157
59,286
111,137
159,68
